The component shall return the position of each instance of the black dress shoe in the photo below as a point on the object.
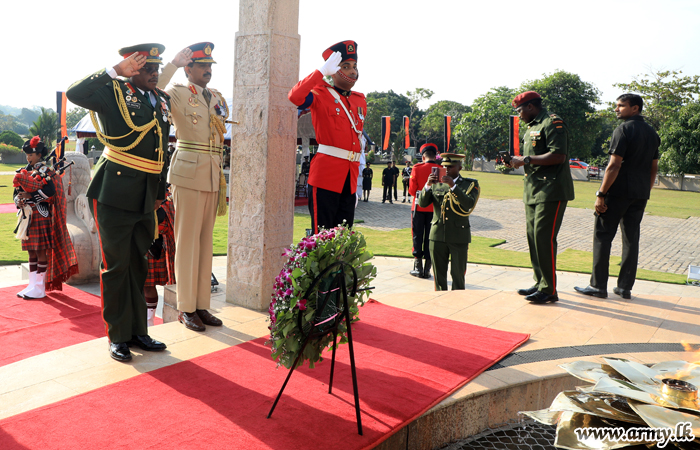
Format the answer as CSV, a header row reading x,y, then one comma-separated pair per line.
x,y
593,292
119,351
191,321
208,318
145,342
528,291
541,297
624,293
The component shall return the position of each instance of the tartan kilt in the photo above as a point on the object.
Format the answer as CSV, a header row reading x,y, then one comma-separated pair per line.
x,y
39,233
157,270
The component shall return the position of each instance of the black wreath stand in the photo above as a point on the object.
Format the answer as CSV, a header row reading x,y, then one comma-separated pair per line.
x,y
325,322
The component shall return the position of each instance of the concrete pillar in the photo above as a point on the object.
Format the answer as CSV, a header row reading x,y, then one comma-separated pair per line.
x,y
261,216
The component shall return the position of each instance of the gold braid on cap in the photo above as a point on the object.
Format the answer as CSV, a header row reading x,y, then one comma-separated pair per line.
x,y
452,199
143,129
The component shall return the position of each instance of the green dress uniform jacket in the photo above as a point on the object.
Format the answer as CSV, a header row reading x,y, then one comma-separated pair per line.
x,y
123,197
546,193
114,184
450,231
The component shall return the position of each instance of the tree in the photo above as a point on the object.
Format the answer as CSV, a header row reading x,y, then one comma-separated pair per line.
x,y
680,142
574,100
9,122
415,114
45,126
11,138
484,129
664,94
432,126
28,116
74,116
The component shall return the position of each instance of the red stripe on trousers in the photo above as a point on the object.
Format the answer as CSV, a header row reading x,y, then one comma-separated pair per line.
x,y
551,244
104,263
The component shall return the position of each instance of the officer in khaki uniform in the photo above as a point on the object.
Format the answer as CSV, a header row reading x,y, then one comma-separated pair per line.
x,y
453,199
128,185
548,188
199,114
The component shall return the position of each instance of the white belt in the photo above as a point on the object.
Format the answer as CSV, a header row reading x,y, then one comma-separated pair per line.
x,y
339,153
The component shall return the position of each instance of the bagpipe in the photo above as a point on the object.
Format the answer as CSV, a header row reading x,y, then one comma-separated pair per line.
x,y
42,173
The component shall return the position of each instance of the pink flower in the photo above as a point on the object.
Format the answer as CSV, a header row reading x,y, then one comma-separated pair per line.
x,y
288,292
302,305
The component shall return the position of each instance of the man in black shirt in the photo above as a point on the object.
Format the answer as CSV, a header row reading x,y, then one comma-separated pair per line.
x,y
396,172
387,182
623,195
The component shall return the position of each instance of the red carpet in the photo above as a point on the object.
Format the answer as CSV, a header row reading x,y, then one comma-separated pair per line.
x,y
407,362
32,327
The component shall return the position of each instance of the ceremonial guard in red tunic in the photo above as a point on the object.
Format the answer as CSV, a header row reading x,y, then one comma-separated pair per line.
x,y
337,114
42,223
421,216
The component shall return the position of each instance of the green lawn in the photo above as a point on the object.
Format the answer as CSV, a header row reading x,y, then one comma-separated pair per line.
x,y
10,167
495,186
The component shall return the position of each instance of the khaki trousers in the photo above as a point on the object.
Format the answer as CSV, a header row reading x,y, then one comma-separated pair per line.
x,y
195,215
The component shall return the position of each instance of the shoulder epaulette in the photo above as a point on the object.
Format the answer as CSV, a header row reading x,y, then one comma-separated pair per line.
x,y
162,92
179,85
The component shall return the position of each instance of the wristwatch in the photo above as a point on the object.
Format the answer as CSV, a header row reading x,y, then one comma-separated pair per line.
x,y
600,194
526,160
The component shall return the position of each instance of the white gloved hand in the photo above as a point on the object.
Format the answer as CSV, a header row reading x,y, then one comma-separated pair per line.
x,y
331,65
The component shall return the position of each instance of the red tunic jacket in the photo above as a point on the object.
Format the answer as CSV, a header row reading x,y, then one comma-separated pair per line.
x,y
333,128
419,176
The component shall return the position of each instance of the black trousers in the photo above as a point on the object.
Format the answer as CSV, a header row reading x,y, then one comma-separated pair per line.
x,y
396,191
628,214
405,187
420,224
387,192
328,209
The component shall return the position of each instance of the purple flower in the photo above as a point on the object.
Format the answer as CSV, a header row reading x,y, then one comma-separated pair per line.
x,y
302,305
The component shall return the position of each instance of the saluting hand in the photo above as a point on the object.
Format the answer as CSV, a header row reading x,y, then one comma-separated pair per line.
x,y
130,66
183,58
332,64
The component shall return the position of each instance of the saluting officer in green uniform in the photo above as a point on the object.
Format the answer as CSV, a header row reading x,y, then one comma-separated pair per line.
x,y
453,199
548,188
128,185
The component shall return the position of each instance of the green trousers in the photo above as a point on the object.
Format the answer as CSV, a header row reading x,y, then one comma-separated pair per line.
x,y
125,237
441,253
543,223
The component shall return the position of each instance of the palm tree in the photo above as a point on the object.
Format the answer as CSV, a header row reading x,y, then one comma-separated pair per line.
x,y
46,126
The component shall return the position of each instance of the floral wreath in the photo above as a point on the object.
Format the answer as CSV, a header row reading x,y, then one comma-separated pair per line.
x,y
291,315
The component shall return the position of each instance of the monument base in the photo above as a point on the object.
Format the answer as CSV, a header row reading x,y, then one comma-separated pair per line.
x,y
170,303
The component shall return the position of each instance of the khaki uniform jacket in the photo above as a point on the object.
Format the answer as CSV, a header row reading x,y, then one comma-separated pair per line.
x,y
192,118
547,133
115,184
455,228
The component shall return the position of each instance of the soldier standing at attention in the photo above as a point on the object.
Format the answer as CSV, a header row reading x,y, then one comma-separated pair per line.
x,y
338,114
196,176
421,217
453,199
128,185
548,188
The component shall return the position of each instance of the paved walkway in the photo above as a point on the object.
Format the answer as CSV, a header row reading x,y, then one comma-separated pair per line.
x,y
666,245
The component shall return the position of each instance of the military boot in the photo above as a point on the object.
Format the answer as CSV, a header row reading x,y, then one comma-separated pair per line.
x,y
426,268
417,267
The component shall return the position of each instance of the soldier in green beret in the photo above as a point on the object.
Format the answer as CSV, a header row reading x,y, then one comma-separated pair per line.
x,y
128,185
453,199
548,188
